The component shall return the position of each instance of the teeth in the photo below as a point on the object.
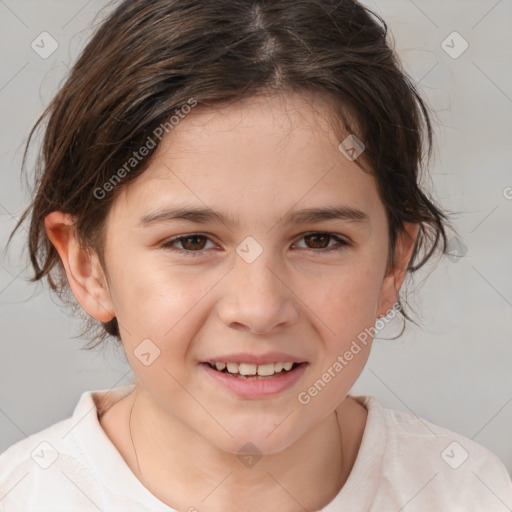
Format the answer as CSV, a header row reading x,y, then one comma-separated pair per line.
x,y
232,367
278,367
246,369
263,370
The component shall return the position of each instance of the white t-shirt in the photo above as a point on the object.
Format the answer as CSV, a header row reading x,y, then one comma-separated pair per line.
x,y
404,463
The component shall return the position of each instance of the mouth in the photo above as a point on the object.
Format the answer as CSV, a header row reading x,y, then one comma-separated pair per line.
x,y
252,385
249,371
255,376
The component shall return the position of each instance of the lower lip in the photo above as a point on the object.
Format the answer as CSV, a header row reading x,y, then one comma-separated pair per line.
x,y
254,388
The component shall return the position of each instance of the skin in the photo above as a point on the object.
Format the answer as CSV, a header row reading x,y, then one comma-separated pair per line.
x,y
255,160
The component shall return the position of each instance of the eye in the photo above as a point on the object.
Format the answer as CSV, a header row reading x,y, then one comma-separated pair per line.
x,y
319,242
194,244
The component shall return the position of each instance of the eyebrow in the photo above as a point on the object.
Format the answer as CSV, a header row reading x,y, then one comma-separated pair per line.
x,y
307,215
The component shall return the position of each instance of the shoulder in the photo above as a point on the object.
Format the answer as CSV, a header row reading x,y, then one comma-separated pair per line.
x,y
409,433
48,468
447,467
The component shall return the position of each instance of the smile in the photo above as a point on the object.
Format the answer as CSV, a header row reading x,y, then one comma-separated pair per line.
x,y
250,370
246,380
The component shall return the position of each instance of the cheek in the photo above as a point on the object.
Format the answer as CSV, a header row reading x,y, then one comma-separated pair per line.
x,y
160,303
345,299
345,313
161,316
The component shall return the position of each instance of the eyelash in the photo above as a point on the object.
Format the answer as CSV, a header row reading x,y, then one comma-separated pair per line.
x,y
342,244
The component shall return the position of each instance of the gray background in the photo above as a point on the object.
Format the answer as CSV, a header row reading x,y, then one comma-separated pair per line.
x,y
454,371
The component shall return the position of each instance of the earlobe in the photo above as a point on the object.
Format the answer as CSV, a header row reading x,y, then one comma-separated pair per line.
x,y
83,269
395,276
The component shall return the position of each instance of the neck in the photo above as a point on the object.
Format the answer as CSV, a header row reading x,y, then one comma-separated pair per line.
x,y
308,474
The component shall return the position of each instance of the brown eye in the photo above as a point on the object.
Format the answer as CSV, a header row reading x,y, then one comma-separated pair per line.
x,y
323,242
191,245
193,242
318,240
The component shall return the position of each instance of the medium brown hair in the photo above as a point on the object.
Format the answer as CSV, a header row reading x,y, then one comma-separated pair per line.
x,y
150,57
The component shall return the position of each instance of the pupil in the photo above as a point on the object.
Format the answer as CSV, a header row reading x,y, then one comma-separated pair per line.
x,y
194,244
316,236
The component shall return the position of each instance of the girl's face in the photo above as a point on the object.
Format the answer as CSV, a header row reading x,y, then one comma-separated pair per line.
x,y
250,278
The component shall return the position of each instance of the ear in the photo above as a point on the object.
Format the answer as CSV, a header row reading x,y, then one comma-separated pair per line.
x,y
396,274
83,269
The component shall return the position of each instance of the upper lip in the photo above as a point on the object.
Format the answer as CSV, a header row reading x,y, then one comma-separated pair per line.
x,y
257,359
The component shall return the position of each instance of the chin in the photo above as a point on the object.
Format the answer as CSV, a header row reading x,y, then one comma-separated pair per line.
x,y
257,440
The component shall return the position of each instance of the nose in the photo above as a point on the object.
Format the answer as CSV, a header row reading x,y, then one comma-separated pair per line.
x,y
257,297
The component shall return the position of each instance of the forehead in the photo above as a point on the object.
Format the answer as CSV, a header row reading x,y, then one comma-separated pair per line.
x,y
281,122
268,153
